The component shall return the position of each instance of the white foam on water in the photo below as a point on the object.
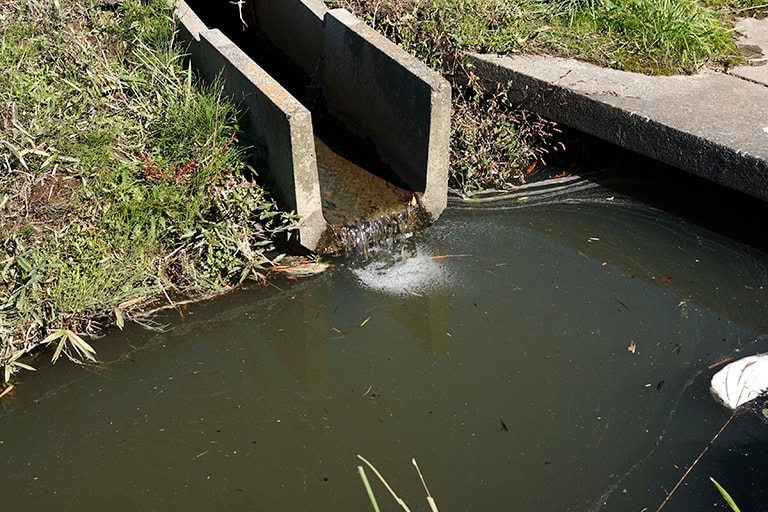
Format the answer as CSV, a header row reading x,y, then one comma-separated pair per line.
x,y
407,274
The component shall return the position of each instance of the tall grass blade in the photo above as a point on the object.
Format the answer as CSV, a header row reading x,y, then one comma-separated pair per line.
x,y
726,496
367,484
383,481
430,499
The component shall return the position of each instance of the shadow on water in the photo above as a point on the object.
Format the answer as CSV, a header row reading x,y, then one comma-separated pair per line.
x,y
688,197
548,357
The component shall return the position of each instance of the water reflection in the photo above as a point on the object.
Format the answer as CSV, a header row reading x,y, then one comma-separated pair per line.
x,y
494,347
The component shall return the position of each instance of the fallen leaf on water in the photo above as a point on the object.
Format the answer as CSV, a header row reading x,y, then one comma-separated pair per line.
x,y
7,390
665,279
632,346
365,321
411,292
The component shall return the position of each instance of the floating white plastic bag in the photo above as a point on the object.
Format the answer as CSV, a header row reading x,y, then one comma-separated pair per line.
x,y
741,381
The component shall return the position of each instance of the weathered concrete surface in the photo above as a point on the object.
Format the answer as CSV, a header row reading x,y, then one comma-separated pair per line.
x,y
754,43
711,124
293,26
279,124
382,94
386,95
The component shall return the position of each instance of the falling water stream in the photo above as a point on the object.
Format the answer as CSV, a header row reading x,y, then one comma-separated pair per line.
x,y
362,209
550,351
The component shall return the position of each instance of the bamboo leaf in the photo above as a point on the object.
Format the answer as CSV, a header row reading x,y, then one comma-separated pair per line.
x,y
59,348
58,333
25,366
81,346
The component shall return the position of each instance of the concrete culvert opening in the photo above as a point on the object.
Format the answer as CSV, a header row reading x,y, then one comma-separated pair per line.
x,y
371,159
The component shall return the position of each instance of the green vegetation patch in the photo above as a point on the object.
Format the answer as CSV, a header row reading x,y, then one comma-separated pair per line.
x,y
123,183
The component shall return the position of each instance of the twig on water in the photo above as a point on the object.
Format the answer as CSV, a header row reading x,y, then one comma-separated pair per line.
x,y
720,362
690,468
430,499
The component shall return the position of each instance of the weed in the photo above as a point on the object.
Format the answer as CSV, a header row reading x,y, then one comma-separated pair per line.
x,y
123,179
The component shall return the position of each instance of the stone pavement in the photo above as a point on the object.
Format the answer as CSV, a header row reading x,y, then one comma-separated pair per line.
x,y
713,124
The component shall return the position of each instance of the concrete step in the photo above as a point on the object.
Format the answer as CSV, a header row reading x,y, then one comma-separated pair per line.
x,y
713,124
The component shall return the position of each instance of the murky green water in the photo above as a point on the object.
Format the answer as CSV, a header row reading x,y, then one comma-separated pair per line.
x,y
493,347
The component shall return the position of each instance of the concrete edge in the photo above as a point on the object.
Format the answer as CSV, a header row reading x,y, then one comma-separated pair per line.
x,y
716,162
277,122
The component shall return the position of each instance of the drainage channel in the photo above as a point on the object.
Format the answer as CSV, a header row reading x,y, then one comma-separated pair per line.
x,y
354,132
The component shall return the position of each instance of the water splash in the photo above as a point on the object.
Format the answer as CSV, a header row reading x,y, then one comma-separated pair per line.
x,y
415,272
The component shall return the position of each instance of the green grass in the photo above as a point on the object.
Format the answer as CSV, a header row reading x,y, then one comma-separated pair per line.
x,y
123,183
650,36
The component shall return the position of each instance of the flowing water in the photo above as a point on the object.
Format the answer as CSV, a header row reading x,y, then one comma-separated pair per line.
x,y
362,209
542,352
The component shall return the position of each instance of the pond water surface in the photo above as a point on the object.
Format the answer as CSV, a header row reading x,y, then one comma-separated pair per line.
x,y
544,357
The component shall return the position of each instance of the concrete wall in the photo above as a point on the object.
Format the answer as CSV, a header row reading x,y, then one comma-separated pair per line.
x,y
380,92
278,123
384,94
293,26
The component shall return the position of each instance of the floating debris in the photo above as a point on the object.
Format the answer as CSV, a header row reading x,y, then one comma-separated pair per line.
x,y
302,267
741,381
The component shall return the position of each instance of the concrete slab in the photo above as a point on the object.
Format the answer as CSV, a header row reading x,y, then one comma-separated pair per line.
x,y
385,96
754,43
295,27
711,124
